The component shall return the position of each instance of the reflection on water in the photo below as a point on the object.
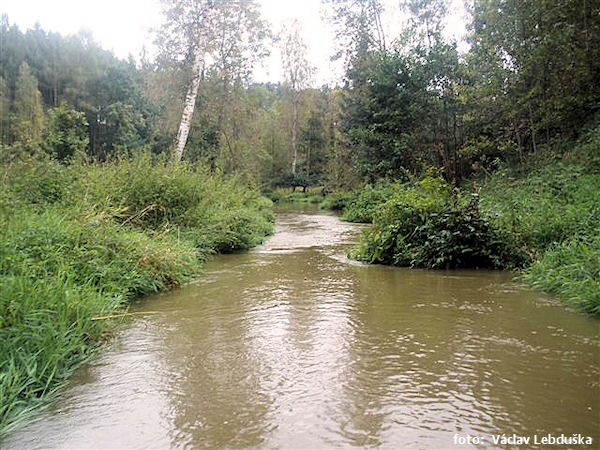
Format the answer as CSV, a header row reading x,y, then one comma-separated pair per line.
x,y
292,345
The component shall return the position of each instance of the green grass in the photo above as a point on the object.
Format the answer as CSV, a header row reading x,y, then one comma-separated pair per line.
x,y
80,241
554,214
571,271
547,207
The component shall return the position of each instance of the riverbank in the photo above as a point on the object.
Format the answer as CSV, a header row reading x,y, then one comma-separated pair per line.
x,y
291,343
81,241
545,223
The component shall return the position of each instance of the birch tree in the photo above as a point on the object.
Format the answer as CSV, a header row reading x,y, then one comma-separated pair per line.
x,y
200,34
297,73
358,28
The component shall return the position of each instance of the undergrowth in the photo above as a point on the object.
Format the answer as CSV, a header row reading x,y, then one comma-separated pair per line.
x,y
430,225
80,241
547,222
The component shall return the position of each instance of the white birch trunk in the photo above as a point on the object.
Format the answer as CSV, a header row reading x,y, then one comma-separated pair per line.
x,y
188,108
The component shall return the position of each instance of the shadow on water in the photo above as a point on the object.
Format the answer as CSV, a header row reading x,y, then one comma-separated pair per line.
x,y
292,345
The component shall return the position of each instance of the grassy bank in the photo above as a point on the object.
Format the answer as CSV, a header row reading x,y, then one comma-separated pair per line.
x,y
553,215
80,241
547,223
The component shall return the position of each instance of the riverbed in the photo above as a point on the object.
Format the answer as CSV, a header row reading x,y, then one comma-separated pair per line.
x,y
293,345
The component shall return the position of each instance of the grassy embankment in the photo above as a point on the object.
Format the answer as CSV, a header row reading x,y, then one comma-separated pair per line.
x,y
547,222
80,241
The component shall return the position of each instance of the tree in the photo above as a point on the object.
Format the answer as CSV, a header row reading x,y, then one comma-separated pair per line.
x,y
535,66
358,28
312,137
4,112
426,19
198,33
297,73
65,133
27,106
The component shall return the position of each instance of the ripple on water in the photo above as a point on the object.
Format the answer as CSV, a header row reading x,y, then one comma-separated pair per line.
x,y
294,345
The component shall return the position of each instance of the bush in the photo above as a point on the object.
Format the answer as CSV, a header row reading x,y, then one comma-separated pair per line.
x,y
362,207
428,225
337,201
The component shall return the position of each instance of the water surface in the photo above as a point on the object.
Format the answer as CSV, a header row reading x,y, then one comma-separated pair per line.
x,y
292,345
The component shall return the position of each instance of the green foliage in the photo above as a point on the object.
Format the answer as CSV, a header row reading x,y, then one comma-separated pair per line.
x,y
31,180
554,215
46,330
59,270
222,214
337,201
429,225
41,69
381,116
65,133
570,270
81,240
123,130
554,204
282,195
28,119
536,67
364,203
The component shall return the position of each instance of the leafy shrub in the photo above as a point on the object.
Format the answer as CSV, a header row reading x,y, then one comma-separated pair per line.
x,y
428,225
362,207
337,201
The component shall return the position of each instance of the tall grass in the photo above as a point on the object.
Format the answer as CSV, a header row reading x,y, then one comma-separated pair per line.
x,y
570,270
556,203
555,215
80,241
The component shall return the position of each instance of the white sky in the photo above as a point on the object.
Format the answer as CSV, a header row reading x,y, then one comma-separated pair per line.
x,y
123,26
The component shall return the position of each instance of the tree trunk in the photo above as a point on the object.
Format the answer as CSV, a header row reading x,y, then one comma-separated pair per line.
x,y
294,126
188,108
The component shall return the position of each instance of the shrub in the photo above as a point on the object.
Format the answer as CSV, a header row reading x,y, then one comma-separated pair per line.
x,y
430,226
362,207
337,201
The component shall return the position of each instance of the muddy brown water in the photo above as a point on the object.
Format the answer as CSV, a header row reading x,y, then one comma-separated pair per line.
x,y
292,345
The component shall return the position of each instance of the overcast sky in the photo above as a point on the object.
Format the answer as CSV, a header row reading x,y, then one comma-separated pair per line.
x,y
124,26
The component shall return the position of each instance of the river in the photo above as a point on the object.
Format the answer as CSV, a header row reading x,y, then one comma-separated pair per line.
x,y
292,345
